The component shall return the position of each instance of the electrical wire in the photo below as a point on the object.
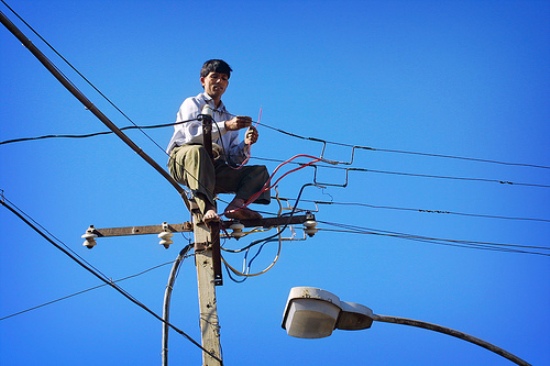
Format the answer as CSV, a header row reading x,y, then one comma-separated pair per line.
x,y
472,179
12,208
268,185
167,299
246,271
79,73
313,139
421,210
81,292
88,135
280,230
171,124
66,82
404,152
3,199
319,140
347,169
353,147
72,88
481,245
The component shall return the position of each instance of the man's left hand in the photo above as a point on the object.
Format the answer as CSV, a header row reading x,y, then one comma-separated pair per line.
x,y
251,135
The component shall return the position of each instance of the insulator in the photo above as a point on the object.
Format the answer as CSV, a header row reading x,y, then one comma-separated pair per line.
x,y
165,238
237,230
90,239
165,235
310,227
206,109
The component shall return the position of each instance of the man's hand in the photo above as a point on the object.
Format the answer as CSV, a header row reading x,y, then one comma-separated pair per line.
x,y
238,122
251,136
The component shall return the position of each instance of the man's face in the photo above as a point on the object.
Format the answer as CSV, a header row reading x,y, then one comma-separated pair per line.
x,y
215,84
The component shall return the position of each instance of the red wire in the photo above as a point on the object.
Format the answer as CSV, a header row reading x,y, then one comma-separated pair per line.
x,y
267,185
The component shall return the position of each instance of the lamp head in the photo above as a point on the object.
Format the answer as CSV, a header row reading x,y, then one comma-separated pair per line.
x,y
314,313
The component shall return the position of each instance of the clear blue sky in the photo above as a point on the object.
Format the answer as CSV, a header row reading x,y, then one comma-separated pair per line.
x,y
455,78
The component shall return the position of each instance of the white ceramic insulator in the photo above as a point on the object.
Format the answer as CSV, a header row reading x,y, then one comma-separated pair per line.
x,y
165,235
89,236
206,109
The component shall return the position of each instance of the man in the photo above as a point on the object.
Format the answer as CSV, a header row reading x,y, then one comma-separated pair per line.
x,y
190,163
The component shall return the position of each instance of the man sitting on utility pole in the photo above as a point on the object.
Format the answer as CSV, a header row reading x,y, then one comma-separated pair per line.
x,y
190,163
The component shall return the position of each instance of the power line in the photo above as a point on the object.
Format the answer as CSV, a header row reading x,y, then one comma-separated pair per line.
x,y
88,104
12,208
421,210
353,147
80,292
369,148
144,127
86,135
433,176
346,169
21,213
78,72
481,245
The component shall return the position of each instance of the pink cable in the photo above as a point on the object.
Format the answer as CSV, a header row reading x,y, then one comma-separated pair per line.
x,y
267,185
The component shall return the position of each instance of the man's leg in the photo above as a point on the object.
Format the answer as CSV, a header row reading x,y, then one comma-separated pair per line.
x,y
191,165
247,183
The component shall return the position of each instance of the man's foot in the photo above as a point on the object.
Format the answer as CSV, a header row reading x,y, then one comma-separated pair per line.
x,y
210,216
237,211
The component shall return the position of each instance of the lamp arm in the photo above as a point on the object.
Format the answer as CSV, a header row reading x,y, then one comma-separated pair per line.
x,y
451,332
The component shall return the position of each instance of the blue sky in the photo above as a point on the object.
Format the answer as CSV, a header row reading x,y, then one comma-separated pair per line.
x,y
441,78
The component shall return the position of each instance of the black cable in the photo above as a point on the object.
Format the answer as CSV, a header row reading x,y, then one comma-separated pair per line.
x,y
270,127
365,170
79,136
102,278
501,247
88,104
234,279
79,73
67,248
445,212
80,292
289,134
56,71
405,152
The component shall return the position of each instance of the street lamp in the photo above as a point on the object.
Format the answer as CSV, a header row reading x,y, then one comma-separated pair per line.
x,y
314,313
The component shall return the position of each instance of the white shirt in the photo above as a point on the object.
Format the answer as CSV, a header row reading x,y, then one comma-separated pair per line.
x,y
191,132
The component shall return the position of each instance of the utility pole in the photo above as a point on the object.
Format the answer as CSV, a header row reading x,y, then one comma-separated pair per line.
x,y
206,237
208,262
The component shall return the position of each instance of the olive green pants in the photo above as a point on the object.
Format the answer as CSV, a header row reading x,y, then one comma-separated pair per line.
x,y
191,165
